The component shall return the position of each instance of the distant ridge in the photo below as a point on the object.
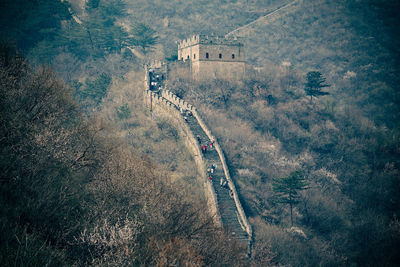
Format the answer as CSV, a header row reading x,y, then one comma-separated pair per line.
x,y
271,14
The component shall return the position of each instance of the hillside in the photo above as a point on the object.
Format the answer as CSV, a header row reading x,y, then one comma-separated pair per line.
x,y
73,192
346,142
352,43
88,177
347,41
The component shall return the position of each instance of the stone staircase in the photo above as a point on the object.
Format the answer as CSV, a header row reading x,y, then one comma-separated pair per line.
x,y
226,204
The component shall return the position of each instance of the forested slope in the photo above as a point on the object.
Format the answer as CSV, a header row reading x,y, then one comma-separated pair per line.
x,y
71,187
346,143
353,43
72,193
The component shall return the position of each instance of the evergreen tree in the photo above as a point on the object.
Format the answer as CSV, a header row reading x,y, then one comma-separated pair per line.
x,y
315,83
123,112
286,189
104,33
92,4
95,90
144,36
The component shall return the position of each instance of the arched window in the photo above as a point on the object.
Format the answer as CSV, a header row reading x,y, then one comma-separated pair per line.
x,y
188,57
207,55
220,55
233,56
194,56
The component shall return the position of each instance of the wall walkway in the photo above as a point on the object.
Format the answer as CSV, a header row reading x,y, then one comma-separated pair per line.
x,y
227,208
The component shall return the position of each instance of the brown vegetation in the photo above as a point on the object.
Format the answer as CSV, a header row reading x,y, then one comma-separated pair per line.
x,y
71,194
268,129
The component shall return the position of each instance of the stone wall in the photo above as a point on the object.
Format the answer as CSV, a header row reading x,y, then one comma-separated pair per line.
x,y
162,107
189,53
213,56
215,53
218,69
210,39
242,215
226,52
176,100
180,103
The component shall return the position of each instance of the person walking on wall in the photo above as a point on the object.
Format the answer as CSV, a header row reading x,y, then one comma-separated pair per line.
x,y
212,143
213,166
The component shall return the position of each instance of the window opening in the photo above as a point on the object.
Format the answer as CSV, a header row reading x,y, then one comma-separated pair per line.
x,y
206,55
233,56
220,55
194,56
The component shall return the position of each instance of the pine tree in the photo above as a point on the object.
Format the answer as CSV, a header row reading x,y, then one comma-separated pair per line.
x,y
286,189
314,85
95,90
144,36
92,4
105,35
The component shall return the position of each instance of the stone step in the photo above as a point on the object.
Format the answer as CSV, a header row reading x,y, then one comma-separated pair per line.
x,y
226,204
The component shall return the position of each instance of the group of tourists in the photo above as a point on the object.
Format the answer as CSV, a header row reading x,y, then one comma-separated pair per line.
x,y
211,170
155,80
204,147
155,85
222,182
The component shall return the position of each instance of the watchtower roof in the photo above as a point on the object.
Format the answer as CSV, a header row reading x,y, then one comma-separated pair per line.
x,y
210,40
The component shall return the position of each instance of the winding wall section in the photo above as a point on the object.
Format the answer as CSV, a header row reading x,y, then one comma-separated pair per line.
x,y
223,202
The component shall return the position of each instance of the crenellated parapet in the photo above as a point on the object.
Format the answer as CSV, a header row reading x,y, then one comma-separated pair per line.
x,y
170,107
213,57
180,103
166,103
210,40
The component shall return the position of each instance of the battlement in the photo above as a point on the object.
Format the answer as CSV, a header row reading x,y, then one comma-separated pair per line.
x,y
223,201
210,40
213,56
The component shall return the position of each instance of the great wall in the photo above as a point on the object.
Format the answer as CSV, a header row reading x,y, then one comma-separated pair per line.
x,y
223,203
209,57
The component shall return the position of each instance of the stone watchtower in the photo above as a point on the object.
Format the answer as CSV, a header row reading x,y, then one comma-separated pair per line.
x,y
213,56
